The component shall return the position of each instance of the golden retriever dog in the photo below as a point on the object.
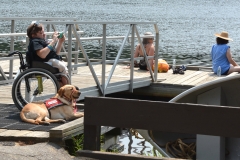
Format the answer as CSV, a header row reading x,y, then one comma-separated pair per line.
x,y
60,108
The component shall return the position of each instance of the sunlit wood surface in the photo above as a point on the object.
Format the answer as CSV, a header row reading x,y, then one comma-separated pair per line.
x,y
84,79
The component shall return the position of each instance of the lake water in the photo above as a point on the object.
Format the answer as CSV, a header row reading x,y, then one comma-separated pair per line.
x,y
186,27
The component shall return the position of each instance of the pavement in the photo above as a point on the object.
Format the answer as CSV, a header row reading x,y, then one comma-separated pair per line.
x,y
39,151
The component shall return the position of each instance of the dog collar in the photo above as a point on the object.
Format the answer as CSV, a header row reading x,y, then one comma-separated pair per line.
x,y
74,106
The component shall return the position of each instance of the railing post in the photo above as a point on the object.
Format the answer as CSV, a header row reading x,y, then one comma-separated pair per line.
x,y
48,30
11,50
104,58
132,58
70,51
87,59
76,55
92,137
156,52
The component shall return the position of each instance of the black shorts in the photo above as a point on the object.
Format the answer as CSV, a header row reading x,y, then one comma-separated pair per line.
x,y
225,73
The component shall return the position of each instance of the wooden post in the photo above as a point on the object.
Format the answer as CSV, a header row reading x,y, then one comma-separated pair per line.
x,y
163,116
92,137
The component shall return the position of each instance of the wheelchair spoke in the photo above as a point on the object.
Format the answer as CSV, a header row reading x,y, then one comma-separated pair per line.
x,y
34,85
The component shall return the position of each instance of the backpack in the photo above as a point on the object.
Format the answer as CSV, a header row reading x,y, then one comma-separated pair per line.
x,y
163,66
142,64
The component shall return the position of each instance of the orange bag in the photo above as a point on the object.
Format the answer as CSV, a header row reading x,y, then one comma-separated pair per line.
x,y
163,66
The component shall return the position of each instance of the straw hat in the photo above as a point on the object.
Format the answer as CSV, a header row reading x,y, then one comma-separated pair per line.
x,y
148,35
223,35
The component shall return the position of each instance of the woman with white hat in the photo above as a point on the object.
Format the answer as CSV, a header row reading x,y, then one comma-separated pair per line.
x,y
149,48
221,55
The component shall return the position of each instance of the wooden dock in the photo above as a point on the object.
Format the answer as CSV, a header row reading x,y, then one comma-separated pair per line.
x,y
168,84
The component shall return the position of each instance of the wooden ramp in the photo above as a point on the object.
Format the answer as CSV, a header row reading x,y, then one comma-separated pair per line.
x,y
83,79
167,84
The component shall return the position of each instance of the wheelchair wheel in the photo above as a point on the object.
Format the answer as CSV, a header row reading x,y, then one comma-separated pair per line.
x,y
33,85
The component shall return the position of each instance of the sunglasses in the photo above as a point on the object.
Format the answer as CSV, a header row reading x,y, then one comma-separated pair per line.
x,y
36,27
35,23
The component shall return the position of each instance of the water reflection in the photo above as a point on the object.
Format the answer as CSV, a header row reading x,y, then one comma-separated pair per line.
x,y
134,145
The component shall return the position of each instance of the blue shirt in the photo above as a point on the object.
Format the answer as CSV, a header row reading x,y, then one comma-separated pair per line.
x,y
219,58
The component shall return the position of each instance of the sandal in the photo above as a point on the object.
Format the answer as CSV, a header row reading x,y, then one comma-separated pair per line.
x,y
175,71
183,68
181,71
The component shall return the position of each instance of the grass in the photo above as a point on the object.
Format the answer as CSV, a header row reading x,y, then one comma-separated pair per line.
x,y
76,143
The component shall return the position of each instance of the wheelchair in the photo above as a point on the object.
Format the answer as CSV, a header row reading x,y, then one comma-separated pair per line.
x,y
36,81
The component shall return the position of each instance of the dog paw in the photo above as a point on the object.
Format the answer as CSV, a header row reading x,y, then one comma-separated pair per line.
x,y
63,121
46,123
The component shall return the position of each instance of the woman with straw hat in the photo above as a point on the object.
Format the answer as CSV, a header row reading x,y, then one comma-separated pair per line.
x,y
221,55
149,48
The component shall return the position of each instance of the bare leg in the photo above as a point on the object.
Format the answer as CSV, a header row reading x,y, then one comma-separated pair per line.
x,y
64,80
234,69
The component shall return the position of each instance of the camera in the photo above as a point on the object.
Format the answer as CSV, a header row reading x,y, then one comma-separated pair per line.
x,y
60,34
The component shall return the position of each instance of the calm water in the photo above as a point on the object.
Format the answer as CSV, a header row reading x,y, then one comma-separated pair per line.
x,y
186,27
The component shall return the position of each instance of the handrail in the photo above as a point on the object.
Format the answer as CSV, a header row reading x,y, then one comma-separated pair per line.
x,y
103,87
72,34
25,34
94,22
37,18
13,19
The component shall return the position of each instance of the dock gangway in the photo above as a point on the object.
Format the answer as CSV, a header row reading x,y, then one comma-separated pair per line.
x,y
75,45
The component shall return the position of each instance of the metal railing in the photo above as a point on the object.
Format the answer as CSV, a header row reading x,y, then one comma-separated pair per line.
x,y
70,27
71,32
12,33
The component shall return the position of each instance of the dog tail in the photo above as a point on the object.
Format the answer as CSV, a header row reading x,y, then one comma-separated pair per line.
x,y
23,117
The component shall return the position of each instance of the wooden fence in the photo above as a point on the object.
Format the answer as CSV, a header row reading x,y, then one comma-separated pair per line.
x,y
163,116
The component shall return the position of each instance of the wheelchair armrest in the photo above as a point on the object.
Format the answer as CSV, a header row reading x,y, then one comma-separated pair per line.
x,y
37,64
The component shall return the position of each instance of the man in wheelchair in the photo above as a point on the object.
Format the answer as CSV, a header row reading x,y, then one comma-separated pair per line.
x,y
39,49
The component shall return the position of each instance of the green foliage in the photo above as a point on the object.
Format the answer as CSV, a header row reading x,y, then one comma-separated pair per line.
x,y
76,143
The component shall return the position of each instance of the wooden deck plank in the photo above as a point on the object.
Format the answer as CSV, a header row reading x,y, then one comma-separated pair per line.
x,y
3,130
171,79
66,130
208,79
68,126
201,79
187,78
194,78
20,133
169,76
14,133
39,134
